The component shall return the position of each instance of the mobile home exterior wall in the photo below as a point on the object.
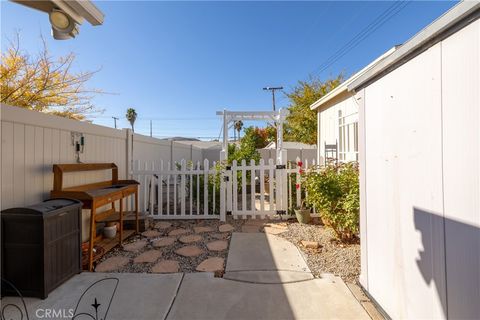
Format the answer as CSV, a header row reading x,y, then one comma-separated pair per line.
x,y
420,182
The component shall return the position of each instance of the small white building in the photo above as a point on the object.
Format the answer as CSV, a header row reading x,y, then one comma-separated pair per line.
x,y
419,153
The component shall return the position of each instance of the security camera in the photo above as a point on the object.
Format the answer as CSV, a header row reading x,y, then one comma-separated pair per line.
x,y
63,26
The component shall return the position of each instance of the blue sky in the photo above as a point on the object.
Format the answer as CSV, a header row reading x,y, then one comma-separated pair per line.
x,y
178,62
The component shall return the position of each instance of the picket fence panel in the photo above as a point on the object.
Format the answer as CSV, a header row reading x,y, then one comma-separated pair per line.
x,y
246,190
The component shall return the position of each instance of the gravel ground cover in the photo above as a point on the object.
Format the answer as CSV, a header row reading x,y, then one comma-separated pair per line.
x,y
331,257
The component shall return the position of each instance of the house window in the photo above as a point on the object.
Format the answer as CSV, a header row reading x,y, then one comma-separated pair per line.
x,y
347,136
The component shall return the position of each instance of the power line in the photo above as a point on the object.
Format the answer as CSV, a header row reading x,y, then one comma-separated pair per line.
x,y
384,17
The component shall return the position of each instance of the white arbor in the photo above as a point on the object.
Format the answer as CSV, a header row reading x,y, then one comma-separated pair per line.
x,y
278,117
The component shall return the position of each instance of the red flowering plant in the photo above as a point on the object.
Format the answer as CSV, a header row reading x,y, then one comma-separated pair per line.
x,y
298,186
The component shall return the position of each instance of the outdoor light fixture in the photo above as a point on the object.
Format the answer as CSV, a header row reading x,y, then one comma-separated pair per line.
x,y
63,26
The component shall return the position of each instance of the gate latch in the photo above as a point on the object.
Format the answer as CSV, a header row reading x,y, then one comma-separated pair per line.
x,y
226,178
281,166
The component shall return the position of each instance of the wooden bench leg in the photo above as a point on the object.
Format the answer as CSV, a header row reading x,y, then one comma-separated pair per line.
x,y
93,230
136,212
121,221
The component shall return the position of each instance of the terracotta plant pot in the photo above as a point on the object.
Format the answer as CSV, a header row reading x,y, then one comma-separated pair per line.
x,y
303,215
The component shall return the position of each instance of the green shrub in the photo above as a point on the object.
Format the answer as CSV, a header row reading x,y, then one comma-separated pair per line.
x,y
334,190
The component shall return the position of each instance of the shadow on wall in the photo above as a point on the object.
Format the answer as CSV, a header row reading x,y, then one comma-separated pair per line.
x,y
450,258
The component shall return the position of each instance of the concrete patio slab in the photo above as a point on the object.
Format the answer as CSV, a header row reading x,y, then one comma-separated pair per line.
x,y
263,252
226,299
132,296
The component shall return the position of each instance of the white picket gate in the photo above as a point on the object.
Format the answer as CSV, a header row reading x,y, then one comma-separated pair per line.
x,y
200,191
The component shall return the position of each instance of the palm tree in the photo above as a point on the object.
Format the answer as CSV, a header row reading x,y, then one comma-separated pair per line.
x,y
238,127
131,117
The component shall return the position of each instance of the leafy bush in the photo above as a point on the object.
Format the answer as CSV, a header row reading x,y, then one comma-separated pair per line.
x,y
334,190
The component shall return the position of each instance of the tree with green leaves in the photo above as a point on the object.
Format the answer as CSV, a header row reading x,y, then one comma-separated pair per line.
x,y
301,124
131,116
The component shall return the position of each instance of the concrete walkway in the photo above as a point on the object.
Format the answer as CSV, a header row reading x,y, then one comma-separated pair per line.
x,y
266,278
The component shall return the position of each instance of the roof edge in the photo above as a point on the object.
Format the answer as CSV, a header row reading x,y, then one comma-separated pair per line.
x,y
341,88
454,19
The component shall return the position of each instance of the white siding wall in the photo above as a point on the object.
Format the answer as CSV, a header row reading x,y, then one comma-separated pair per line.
x,y
328,125
420,186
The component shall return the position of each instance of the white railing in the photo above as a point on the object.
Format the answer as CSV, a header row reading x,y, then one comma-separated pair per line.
x,y
203,191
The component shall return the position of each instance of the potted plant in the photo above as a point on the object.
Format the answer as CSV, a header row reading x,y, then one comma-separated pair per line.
x,y
302,213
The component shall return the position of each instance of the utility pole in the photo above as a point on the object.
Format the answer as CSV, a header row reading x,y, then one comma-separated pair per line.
x,y
151,128
273,93
115,121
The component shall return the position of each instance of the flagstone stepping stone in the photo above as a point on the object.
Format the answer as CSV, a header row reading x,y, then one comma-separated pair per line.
x,y
274,231
112,264
163,242
219,236
211,265
226,228
151,233
166,266
218,245
148,256
189,251
190,238
202,229
281,225
250,229
135,246
177,232
162,225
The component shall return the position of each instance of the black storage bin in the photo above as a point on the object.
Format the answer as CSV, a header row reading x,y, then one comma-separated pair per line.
x,y
41,246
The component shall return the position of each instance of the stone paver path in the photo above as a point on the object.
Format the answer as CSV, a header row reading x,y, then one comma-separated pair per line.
x,y
211,265
166,266
274,231
112,264
218,245
163,242
189,251
190,238
135,246
250,228
148,256
177,232
151,234
226,228
202,229
162,225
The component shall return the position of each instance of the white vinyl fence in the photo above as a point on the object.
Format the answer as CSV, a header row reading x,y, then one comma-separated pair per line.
x,y
207,190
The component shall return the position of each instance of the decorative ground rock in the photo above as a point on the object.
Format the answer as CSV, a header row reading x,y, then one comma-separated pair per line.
x,y
218,245
163,242
190,238
151,233
112,264
226,228
162,225
135,246
211,265
310,244
177,232
148,256
189,251
202,229
166,266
